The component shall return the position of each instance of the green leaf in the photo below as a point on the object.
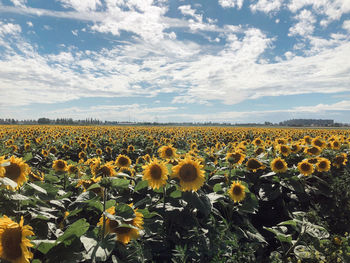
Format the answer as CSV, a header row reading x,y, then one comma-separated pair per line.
x,y
217,188
289,223
176,194
99,251
93,186
8,182
199,201
19,197
77,229
44,246
141,185
147,214
120,183
250,204
27,156
37,188
124,211
269,192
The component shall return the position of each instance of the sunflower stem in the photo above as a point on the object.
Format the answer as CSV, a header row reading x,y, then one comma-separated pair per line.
x,y
103,215
19,204
64,182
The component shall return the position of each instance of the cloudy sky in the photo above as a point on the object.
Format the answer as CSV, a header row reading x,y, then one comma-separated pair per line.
x,y
163,60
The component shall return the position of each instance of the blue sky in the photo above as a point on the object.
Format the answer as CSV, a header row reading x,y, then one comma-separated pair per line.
x,y
156,60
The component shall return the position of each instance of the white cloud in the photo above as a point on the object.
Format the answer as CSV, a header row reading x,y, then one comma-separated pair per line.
x,y
346,25
231,3
266,6
21,3
29,24
81,5
305,25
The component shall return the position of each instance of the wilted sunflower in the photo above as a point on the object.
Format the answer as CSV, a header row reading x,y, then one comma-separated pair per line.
x,y
323,165
305,168
190,174
36,177
16,170
124,234
237,191
155,173
167,152
60,165
278,165
235,158
254,165
340,160
123,161
14,242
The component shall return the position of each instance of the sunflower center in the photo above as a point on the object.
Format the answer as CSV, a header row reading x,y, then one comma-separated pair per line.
x,y
156,172
259,151
313,150
123,161
284,149
114,225
235,157
13,171
169,152
339,159
322,165
237,190
318,143
279,165
188,172
11,243
104,171
305,167
254,164
60,164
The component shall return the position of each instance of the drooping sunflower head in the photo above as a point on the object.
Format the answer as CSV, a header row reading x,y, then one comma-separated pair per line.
x,y
155,173
14,242
16,170
87,183
323,165
191,174
278,165
314,150
167,152
60,165
254,165
237,191
36,176
339,160
123,161
305,168
235,158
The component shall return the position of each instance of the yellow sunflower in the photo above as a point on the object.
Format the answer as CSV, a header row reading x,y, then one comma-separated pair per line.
x,y
284,149
14,243
235,158
340,160
167,152
124,234
123,161
305,168
155,173
278,165
60,165
16,170
237,191
314,150
106,170
254,165
36,177
323,165
191,174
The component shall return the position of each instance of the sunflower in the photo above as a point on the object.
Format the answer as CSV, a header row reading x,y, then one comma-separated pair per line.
x,y
99,151
155,173
278,165
44,153
72,169
335,145
259,150
123,161
53,150
106,170
87,183
340,160
318,142
254,165
60,165
108,149
127,170
314,150
36,177
237,191
124,234
295,148
82,155
167,152
284,149
305,168
190,173
323,165
131,148
235,158
14,242
16,170
257,142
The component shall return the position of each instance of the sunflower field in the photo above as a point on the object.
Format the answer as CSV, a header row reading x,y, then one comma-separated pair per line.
x,y
174,194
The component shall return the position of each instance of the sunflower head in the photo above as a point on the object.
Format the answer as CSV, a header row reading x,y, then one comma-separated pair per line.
x,y
278,165
235,158
53,150
284,149
340,160
14,243
122,161
254,165
191,174
305,168
167,152
237,191
72,169
155,173
323,165
60,165
16,170
314,150
36,177
106,170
